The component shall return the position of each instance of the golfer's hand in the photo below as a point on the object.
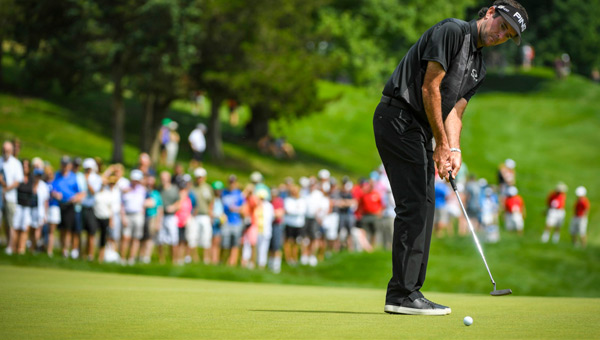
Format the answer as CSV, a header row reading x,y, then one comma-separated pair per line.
x,y
455,163
441,157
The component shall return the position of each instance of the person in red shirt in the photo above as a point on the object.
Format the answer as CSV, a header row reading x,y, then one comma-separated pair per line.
x,y
579,222
277,233
556,213
514,208
370,206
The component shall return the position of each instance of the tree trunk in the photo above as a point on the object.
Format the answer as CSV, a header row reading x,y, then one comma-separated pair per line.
x,y
1,68
118,117
160,112
214,138
258,126
146,136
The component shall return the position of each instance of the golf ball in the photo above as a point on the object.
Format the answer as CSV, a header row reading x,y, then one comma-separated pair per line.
x,y
468,321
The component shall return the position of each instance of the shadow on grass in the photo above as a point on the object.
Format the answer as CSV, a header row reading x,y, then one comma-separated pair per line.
x,y
312,311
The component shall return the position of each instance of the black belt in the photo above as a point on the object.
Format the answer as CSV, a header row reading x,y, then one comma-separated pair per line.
x,y
395,103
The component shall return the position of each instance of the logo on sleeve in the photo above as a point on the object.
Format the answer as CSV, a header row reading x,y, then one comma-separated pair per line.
x,y
474,75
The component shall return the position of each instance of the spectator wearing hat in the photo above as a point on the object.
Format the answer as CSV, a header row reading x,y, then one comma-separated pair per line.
x,y
324,175
168,234
506,176
233,200
12,171
197,141
199,233
294,220
317,206
555,216
579,222
67,192
91,185
257,180
489,214
104,212
164,136
218,220
514,208
39,215
264,214
134,211
277,232
173,143
153,219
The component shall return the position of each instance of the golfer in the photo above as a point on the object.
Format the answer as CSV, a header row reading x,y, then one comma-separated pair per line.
x,y
425,98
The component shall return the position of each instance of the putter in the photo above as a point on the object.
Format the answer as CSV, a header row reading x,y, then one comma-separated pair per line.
x,y
494,292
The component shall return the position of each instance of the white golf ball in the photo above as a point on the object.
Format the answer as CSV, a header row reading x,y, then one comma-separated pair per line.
x,y
468,321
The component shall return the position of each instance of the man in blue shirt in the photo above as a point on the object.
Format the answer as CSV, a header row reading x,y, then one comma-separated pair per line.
x,y
67,192
233,200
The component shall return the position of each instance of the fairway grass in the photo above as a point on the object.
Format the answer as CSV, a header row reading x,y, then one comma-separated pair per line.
x,y
58,304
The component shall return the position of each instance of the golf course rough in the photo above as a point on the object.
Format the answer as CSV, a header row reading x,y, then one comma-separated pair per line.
x,y
61,304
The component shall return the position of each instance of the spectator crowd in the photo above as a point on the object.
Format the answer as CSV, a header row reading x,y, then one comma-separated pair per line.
x,y
107,214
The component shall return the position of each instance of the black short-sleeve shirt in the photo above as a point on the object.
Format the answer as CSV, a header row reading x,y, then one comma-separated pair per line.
x,y
446,44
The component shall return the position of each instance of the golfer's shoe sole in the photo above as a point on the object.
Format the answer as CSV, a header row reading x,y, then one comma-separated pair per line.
x,y
392,309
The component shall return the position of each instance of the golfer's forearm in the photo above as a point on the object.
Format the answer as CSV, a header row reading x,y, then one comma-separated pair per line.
x,y
453,124
432,100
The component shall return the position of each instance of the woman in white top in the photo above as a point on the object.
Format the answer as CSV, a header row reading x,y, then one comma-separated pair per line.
x,y
295,215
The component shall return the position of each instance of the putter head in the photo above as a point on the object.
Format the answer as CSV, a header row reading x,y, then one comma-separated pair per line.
x,y
501,292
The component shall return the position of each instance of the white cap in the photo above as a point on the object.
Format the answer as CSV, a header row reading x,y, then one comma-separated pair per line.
x,y
488,191
262,194
512,191
89,163
187,178
324,174
580,191
304,182
136,175
200,172
256,177
561,187
511,164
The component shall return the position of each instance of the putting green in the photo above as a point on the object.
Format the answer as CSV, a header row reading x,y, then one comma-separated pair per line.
x,y
58,304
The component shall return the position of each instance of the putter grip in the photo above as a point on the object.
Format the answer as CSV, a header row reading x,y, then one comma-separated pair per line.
x,y
452,182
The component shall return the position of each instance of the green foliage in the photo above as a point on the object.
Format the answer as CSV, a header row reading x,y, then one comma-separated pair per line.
x,y
571,27
368,38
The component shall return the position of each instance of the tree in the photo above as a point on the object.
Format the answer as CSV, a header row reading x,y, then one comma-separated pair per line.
x,y
368,37
228,26
571,27
9,15
169,34
280,71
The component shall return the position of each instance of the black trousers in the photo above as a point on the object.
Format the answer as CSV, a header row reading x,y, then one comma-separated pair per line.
x,y
406,150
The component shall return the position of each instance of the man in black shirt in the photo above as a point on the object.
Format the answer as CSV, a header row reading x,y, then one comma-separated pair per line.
x,y
425,98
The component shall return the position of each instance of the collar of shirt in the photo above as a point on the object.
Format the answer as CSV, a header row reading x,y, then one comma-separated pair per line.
x,y
474,35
